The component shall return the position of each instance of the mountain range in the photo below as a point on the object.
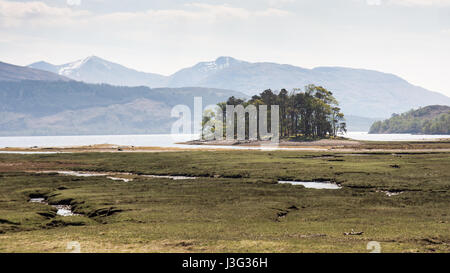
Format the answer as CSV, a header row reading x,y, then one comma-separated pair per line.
x,y
96,70
95,96
361,92
59,106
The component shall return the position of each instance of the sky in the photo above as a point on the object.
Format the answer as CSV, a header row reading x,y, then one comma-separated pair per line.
x,y
409,38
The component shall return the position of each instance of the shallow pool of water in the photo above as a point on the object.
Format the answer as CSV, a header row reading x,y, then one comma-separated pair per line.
x,y
313,185
119,179
81,174
64,210
173,177
391,193
38,200
114,175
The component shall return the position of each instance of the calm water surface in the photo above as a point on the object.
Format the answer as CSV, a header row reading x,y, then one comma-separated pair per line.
x,y
168,140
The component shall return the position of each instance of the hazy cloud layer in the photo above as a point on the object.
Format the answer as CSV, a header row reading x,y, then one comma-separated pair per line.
x,y
420,2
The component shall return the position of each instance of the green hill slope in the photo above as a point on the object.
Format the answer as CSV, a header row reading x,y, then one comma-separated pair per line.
x,y
433,119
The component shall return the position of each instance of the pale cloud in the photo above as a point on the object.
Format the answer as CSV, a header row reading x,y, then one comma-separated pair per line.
x,y
409,3
280,2
194,20
13,14
73,2
421,2
273,12
201,10
374,2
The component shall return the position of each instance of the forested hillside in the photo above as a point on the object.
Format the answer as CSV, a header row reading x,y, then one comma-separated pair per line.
x,y
75,108
434,119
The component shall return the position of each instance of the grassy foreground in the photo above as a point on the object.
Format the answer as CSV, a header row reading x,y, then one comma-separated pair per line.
x,y
234,205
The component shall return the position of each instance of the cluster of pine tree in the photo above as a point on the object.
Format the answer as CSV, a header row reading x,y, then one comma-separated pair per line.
x,y
309,113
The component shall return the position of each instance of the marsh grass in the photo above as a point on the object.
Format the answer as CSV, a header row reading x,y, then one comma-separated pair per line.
x,y
233,206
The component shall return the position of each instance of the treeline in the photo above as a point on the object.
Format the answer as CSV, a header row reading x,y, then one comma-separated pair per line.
x,y
311,113
432,120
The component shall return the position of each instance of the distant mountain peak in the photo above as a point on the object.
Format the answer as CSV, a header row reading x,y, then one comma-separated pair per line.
x,y
94,69
216,65
226,60
94,58
41,63
71,68
46,66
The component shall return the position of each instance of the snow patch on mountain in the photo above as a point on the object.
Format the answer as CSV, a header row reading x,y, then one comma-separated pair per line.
x,y
74,67
219,64
96,70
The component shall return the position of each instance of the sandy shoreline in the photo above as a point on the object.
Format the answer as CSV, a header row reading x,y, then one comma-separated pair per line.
x,y
282,143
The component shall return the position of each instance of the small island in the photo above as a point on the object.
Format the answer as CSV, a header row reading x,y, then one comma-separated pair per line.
x,y
431,120
303,115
